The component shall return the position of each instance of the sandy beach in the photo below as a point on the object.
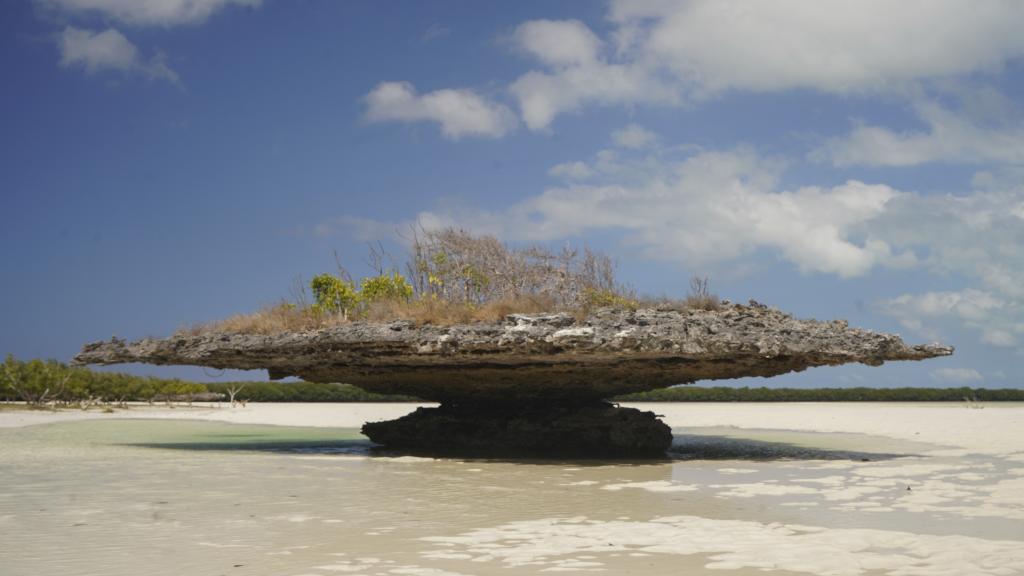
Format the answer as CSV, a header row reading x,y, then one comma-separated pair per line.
x,y
994,428
293,489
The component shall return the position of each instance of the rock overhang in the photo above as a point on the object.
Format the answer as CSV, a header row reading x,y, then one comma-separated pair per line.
x,y
525,358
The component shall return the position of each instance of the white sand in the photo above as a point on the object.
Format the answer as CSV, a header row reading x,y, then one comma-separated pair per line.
x,y
736,544
951,508
315,415
995,429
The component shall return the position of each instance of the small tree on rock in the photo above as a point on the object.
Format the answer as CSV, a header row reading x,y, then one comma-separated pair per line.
x,y
333,295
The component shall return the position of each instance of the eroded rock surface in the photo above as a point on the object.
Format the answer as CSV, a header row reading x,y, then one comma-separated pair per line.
x,y
529,358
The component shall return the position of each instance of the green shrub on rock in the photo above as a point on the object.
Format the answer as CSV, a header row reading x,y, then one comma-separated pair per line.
x,y
385,287
334,295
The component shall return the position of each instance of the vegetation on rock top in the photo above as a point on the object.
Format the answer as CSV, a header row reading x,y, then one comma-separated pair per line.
x,y
454,277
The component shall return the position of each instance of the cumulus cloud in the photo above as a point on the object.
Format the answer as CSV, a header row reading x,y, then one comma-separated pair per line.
x,y
459,112
950,137
711,207
667,52
109,50
957,375
998,321
716,207
634,136
572,170
147,12
559,42
578,73
977,235
831,46
662,52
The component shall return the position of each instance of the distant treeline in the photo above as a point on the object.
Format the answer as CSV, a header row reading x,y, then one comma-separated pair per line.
x,y
301,392
725,394
48,382
53,383
42,382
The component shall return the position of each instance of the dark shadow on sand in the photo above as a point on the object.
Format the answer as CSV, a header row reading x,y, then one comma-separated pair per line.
x,y
684,447
358,447
710,447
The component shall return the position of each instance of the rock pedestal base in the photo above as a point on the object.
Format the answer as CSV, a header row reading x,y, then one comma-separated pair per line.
x,y
593,429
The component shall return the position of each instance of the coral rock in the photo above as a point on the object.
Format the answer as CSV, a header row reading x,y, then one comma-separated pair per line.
x,y
527,358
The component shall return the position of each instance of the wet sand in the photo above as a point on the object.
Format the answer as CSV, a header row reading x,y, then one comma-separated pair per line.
x,y
831,489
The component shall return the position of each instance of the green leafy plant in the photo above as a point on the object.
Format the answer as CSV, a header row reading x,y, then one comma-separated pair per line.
x,y
333,295
35,382
385,287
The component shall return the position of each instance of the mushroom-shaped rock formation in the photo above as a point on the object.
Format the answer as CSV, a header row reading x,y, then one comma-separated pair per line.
x,y
533,383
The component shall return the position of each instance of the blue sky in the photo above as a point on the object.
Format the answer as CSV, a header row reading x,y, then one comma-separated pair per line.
x,y
167,162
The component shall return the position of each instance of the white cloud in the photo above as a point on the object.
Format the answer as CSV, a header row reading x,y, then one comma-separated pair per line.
x,y
109,50
712,207
435,31
543,96
559,42
979,236
572,170
459,112
950,138
669,52
148,12
998,321
634,136
825,45
957,375
998,337
718,208
577,74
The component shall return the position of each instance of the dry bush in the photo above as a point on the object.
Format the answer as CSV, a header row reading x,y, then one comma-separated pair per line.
x,y
700,296
499,309
420,311
455,266
444,313
454,277
281,317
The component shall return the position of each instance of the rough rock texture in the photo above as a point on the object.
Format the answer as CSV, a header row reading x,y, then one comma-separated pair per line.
x,y
491,429
529,358
532,384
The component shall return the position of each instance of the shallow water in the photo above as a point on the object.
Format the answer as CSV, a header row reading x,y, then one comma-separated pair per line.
x,y
178,497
